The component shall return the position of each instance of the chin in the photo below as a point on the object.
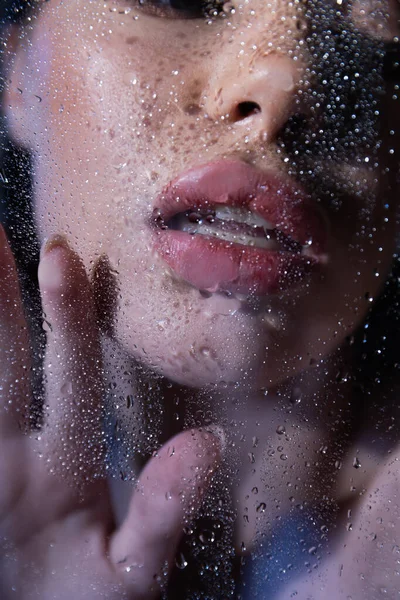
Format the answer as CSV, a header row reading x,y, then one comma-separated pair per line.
x,y
221,368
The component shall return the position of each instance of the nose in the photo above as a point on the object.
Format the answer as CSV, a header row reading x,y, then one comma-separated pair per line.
x,y
257,96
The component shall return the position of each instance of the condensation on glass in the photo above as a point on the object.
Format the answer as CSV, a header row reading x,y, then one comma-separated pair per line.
x,y
199,299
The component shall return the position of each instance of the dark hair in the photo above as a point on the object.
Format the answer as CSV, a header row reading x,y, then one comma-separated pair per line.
x,y
16,209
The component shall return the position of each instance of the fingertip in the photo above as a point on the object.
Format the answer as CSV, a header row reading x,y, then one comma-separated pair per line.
x,y
51,271
54,241
201,447
209,445
186,465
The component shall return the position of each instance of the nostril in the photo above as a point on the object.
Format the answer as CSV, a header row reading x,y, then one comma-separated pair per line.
x,y
246,109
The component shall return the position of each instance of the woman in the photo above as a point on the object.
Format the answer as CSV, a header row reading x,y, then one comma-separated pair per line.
x,y
214,188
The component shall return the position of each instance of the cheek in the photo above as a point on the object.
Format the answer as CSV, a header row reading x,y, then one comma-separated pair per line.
x,y
109,122
191,340
90,141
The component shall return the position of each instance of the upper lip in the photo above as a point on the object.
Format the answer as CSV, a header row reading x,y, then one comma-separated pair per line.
x,y
234,183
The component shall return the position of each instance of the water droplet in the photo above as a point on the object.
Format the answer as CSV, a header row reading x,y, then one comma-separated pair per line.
x,y
188,530
261,507
46,326
295,396
207,536
66,388
205,351
280,430
181,561
252,458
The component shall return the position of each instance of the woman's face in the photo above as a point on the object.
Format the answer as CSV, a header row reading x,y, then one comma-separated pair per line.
x,y
234,170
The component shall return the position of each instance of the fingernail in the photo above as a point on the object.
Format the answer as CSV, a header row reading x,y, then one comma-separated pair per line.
x,y
54,241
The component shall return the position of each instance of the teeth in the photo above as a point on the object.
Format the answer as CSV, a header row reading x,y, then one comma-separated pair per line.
x,y
234,225
241,215
230,215
229,236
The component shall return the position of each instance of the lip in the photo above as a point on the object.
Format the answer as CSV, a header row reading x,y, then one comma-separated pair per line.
x,y
214,265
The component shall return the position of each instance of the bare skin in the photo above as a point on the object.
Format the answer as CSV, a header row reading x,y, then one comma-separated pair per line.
x,y
61,541
365,564
58,538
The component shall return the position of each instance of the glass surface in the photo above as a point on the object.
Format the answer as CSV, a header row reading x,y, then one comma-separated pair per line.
x,y
199,299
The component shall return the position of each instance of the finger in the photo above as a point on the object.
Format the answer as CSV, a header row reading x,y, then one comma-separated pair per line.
x,y
15,391
72,435
169,490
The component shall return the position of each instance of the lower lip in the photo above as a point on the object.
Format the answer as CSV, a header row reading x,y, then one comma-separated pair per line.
x,y
216,265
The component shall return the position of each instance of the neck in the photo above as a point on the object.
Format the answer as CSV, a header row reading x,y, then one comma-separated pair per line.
x,y
283,447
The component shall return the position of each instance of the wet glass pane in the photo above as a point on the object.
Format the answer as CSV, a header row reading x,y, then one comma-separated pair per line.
x,y
199,299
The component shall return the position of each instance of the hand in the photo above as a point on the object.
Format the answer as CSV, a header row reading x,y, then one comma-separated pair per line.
x,y
57,536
